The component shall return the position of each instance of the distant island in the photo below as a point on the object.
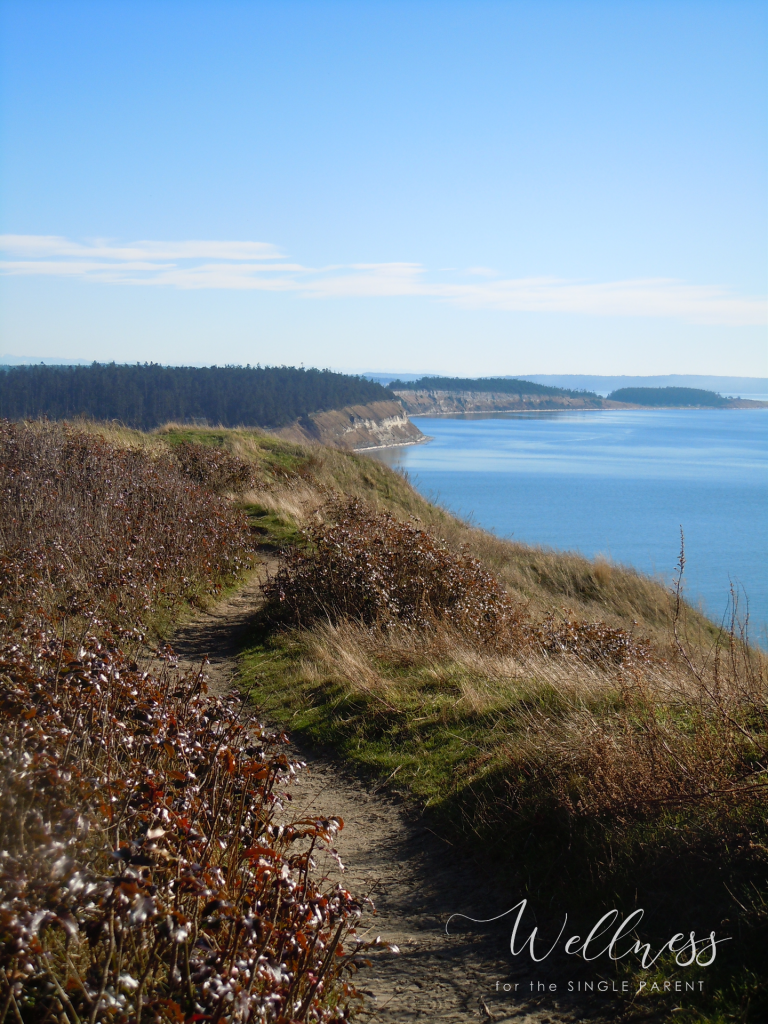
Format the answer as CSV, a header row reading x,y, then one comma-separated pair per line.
x,y
679,398
743,387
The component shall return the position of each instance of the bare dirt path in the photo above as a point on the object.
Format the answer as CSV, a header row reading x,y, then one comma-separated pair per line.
x,y
415,878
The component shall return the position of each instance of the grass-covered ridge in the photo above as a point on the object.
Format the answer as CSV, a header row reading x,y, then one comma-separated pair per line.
x,y
603,744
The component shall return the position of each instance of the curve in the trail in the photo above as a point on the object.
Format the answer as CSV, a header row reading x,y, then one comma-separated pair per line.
x,y
415,879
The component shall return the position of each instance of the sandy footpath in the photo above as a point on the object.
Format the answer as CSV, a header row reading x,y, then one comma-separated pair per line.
x,y
415,878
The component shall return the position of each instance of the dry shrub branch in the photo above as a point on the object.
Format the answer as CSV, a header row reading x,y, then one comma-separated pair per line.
x,y
215,469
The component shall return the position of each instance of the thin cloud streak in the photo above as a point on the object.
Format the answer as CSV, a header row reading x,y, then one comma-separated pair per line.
x,y
33,246
259,266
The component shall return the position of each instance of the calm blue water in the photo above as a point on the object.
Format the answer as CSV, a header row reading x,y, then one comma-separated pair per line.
x,y
620,484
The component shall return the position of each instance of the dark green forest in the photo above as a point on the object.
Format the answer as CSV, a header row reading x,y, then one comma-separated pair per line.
x,y
667,396
503,385
145,396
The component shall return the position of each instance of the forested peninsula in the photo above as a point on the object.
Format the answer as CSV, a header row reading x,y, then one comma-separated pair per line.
x,y
500,385
146,395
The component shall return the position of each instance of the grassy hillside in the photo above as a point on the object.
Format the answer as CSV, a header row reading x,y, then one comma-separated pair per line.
x,y
587,738
601,743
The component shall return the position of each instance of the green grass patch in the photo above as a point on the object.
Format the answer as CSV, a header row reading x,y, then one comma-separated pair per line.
x,y
196,435
275,532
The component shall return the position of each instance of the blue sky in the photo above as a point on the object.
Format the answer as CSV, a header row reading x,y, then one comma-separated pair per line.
x,y
463,187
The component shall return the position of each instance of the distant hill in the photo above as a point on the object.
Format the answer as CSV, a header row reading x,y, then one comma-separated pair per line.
x,y
680,397
499,385
145,396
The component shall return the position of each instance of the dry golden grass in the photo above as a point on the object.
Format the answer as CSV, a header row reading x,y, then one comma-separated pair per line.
x,y
607,737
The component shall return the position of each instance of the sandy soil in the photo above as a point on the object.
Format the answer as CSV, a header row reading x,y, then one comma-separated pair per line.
x,y
415,878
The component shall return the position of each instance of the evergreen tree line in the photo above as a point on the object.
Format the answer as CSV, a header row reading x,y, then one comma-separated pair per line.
x,y
148,395
502,385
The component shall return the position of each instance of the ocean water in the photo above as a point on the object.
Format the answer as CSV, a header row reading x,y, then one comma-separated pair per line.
x,y
619,484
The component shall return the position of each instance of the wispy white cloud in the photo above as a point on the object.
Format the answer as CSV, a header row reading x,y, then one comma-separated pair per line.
x,y
34,246
656,297
259,266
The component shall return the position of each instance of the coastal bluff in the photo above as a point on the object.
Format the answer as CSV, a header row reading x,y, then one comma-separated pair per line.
x,y
355,427
432,402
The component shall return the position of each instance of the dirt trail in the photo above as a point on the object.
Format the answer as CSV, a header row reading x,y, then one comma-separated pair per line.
x,y
415,878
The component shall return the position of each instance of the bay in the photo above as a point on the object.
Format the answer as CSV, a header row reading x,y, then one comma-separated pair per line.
x,y
615,483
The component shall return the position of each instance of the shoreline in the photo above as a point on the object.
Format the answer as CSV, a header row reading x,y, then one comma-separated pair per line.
x,y
394,444
617,408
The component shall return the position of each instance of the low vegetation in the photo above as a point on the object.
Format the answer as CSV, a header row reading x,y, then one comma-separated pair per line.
x,y
149,870
369,568
588,735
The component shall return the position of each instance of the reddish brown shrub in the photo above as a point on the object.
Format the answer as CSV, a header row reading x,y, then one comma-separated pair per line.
x,y
215,469
592,641
148,872
85,524
368,566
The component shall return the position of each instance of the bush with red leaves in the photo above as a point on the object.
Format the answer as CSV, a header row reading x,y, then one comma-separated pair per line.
x,y
215,469
148,869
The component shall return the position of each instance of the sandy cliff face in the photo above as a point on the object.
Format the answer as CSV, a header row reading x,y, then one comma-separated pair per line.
x,y
448,403
376,425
